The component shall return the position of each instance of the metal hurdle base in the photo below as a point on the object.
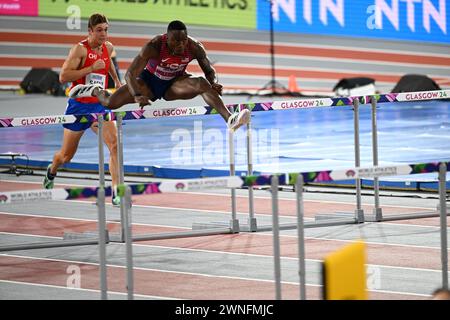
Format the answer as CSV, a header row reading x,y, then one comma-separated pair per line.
x,y
174,235
357,216
232,226
321,220
85,235
251,226
329,222
50,244
406,216
377,215
198,230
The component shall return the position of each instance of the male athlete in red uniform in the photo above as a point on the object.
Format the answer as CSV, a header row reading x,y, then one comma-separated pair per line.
x,y
159,72
89,62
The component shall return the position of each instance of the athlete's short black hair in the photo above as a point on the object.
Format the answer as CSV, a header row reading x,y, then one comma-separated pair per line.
x,y
176,25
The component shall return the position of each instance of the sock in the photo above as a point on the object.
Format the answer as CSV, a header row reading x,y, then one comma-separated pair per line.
x,y
114,191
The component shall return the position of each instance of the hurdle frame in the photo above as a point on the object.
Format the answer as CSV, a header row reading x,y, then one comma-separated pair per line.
x,y
358,214
127,237
268,106
321,220
198,229
299,182
377,213
125,193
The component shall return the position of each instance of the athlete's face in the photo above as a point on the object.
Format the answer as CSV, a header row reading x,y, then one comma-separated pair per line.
x,y
177,41
99,33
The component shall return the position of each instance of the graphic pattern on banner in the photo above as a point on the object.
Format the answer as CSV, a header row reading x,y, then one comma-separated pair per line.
x,y
205,110
417,20
225,13
220,182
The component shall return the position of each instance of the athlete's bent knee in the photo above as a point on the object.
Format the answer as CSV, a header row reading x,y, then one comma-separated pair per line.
x,y
203,85
113,150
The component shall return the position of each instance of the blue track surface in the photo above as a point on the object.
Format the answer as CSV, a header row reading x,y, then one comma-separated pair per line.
x,y
283,141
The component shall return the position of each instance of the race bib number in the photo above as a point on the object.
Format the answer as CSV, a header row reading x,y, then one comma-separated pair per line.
x,y
96,78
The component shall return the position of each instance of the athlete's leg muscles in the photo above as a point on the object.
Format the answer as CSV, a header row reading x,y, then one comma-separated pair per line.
x,y
68,149
121,96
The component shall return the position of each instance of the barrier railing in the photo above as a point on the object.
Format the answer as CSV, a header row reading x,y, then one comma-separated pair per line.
x,y
329,175
255,107
297,179
189,185
153,112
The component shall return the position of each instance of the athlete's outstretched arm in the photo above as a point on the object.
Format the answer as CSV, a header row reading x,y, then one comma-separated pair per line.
x,y
149,51
205,64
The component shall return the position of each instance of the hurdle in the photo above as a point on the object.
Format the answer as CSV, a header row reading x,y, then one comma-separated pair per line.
x,y
377,214
357,216
192,111
127,194
102,237
321,219
205,229
99,238
335,175
64,194
274,181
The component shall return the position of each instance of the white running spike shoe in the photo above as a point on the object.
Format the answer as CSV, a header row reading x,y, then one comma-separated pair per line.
x,y
83,90
238,119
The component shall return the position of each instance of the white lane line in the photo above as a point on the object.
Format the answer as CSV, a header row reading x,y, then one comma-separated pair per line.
x,y
368,242
266,234
84,289
253,254
252,54
247,41
203,211
306,200
263,214
335,71
270,256
34,45
60,185
88,220
330,59
197,274
28,235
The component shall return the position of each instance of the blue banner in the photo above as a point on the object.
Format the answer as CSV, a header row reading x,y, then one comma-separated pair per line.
x,y
417,20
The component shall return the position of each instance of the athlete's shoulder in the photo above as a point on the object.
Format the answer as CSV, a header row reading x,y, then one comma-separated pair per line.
x,y
79,49
196,47
157,39
109,46
194,41
155,42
